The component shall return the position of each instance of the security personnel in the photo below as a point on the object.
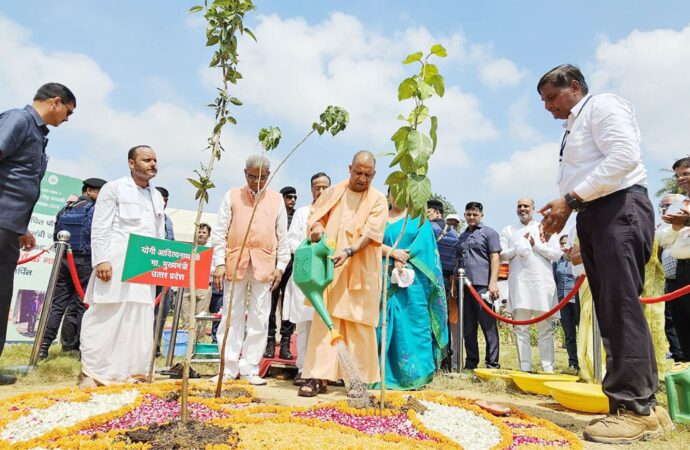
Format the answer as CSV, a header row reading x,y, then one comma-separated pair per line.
x,y
447,242
74,217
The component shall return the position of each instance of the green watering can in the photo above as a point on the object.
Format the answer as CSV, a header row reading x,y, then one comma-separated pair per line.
x,y
312,272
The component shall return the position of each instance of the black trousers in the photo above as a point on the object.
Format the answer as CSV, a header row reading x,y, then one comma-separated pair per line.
x,y
474,316
9,254
616,235
669,327
67,304
286,327
215,306
570,320
446,364
680,308
166,303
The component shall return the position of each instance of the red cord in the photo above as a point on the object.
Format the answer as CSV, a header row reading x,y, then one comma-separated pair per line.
x,y
74,275
31,258
666,297
557,308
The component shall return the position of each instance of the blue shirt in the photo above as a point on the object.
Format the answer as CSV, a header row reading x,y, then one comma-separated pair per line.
x,y
23,140
565,280
447,245
169,233
474,252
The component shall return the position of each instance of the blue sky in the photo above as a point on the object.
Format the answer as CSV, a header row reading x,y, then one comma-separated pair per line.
x,y
138,70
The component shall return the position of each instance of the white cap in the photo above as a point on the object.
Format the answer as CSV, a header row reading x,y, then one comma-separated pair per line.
x,y
453,217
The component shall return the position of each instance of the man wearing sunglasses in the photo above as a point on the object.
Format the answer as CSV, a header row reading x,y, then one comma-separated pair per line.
x,y
286,327
23,162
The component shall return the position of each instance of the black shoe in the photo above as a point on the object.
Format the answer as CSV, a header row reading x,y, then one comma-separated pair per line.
x,y
270,352
7,379
43,351
285,352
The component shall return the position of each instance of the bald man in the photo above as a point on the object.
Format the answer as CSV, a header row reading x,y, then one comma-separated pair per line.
x,y
532,289
353,214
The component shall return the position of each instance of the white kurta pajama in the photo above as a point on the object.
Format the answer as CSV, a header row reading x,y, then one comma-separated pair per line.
x,y
249,319
532,289
294,307
117,329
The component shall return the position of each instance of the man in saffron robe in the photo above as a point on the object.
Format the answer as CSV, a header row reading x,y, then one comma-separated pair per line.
x,y
353,215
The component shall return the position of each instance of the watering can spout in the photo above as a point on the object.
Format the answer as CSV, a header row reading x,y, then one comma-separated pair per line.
x,y
312,273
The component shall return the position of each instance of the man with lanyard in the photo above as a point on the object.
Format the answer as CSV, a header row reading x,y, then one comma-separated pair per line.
x,y
603,178
286,327
479,248
23,162
75,218
447,242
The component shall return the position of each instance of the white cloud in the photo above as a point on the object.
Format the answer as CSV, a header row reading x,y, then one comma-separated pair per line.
x,y
530,172
651,70
520,128
500,72
297,68
103,132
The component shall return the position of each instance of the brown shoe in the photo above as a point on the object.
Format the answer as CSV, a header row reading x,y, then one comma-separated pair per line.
x,y
624,427
664,419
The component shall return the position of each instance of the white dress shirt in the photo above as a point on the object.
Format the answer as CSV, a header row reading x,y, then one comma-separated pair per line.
x,y
220,233
602,148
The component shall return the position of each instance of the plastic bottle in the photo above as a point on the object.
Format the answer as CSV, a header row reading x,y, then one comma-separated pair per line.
x,y
678,393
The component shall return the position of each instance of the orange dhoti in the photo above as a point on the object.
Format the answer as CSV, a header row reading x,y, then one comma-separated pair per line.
x,y
353,298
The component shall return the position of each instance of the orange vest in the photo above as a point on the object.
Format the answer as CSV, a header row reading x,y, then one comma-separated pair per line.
x,y
262,241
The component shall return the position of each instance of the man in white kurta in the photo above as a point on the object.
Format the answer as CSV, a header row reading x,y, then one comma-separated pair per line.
x,y
294,307
532,289
117,329
255,271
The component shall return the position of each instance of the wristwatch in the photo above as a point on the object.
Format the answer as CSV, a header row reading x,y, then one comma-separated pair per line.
x,y
574,203
348,251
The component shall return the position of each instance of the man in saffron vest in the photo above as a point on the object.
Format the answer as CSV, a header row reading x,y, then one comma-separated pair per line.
x,y
352,214
258,268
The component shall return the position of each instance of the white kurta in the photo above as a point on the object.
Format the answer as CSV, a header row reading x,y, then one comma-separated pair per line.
x,y
531,284
117,329
294,308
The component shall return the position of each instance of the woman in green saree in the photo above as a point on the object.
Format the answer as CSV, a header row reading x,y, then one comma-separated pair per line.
x,y
417,315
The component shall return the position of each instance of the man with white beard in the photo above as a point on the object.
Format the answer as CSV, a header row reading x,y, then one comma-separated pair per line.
x,y
532,289
117,329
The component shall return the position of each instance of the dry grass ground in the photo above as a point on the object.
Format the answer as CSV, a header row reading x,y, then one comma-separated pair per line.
x,y
61,370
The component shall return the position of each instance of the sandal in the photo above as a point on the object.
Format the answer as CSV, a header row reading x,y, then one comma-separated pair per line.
x,y
178,375
315,387
299,381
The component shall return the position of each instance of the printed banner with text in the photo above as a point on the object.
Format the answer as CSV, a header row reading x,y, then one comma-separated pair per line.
x,y
164,263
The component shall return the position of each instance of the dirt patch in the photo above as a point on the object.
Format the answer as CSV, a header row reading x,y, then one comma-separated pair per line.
x,y
232,393
176,435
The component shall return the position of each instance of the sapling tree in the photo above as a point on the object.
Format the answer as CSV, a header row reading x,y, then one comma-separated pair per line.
x,y
409,184
225,21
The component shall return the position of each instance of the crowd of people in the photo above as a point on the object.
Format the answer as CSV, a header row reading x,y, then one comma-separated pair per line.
x,y
601,177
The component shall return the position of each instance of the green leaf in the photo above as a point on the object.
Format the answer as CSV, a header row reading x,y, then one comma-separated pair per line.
x,y
425,90
419,147
195,9
400,136
406,89
194,183
250,33
407,163
419,188
432,132
270,137
232,120
438,50
418,115
395,178
401,117
412,57
438,84
397,158
235,101
382,154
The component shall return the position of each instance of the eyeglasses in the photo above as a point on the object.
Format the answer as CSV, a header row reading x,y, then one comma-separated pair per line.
x,y
290,196
251,177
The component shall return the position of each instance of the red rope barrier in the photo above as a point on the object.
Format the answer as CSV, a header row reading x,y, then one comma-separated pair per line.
x,y
158,299
547,314
31,258
667,297
74,275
